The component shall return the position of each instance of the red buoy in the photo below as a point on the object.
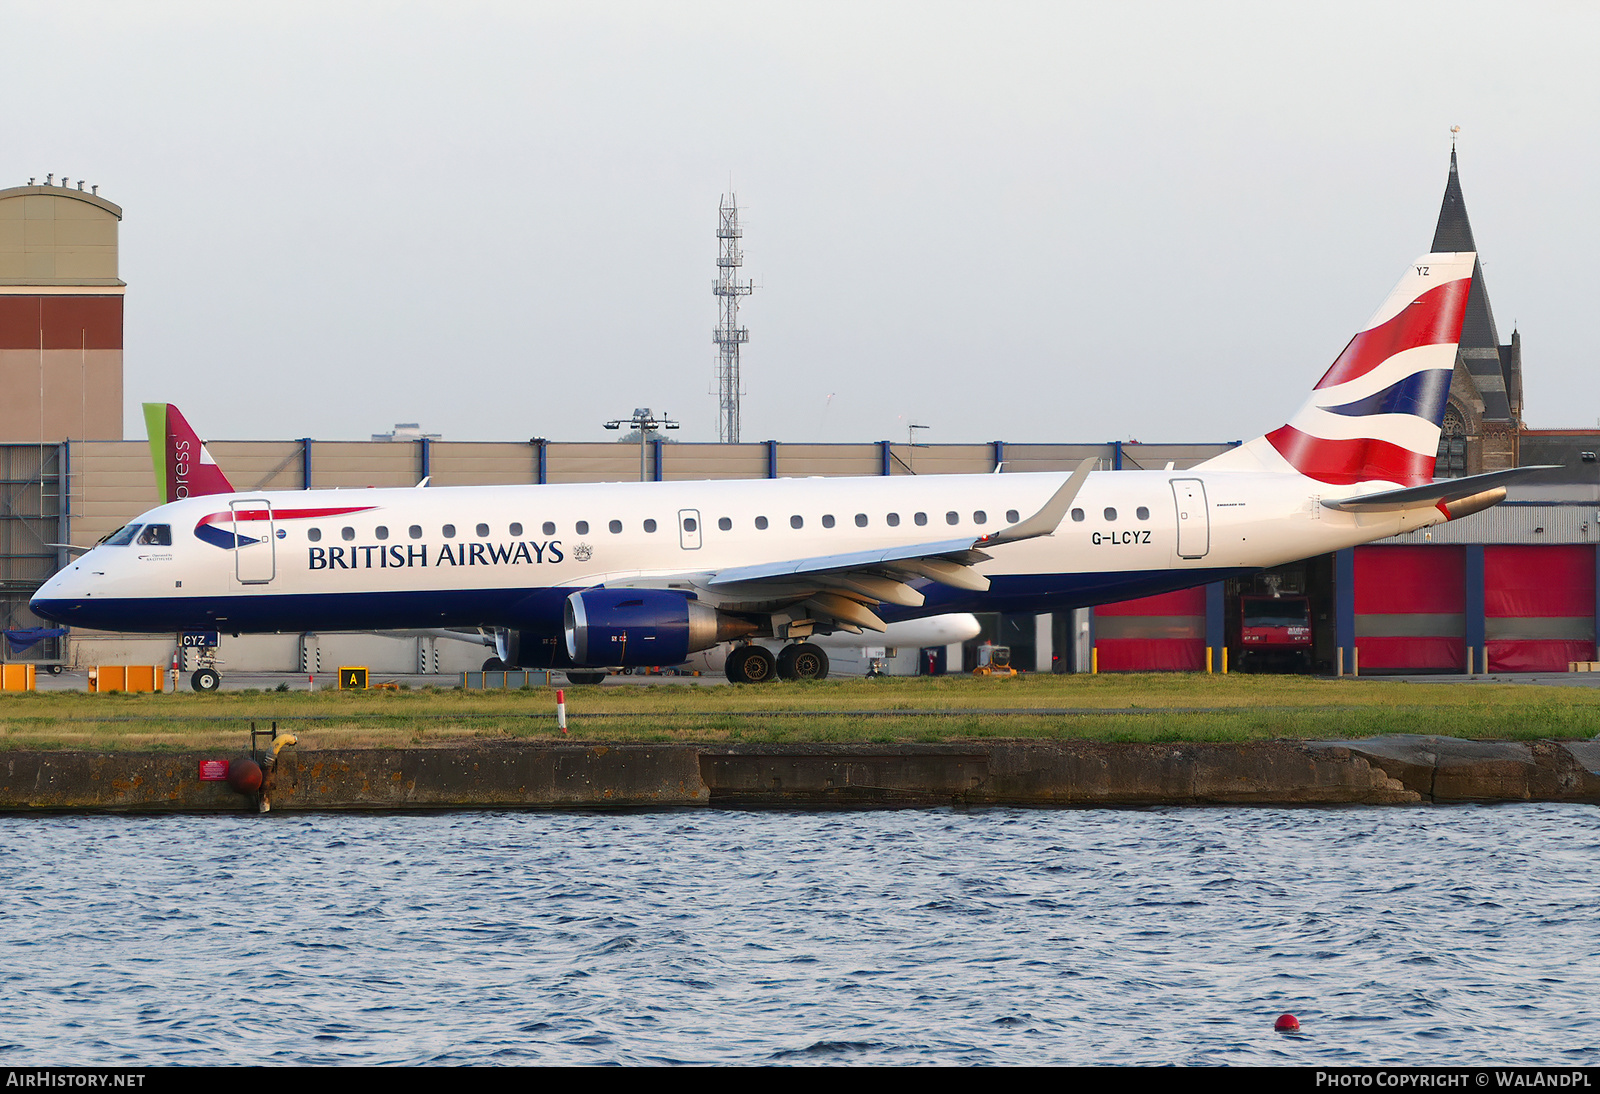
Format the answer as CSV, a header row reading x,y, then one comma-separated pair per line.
x,y
1287,1023
244,776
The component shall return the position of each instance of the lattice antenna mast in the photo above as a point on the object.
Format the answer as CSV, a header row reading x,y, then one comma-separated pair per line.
x,y
729,336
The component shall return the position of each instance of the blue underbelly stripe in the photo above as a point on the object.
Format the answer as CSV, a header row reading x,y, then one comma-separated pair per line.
x,y
541,609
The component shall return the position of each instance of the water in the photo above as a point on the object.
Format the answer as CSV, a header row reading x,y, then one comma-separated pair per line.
x,y
1421,935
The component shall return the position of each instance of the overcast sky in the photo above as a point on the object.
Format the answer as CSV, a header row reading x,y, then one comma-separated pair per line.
x,y
1025,221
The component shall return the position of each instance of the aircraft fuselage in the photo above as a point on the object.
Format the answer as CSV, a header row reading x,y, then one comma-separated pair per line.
x,y
509,556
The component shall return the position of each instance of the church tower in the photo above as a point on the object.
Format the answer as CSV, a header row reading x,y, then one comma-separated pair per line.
x,y
1484,417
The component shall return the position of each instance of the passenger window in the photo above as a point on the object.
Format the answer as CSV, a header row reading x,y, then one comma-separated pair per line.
x,y
416,531
796,522
650,526
516,529
892,520
1012,516
314,535
549,528
861,520
689,525
725,524
449,531
347,533
1077,514
1143,513
980,517
827,520
381,532
483,530
582,528
157,535
616,527
1111,514
920,519
951,518
761,524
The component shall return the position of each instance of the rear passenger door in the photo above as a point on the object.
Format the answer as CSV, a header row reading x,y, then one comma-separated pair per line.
x,y
1194,522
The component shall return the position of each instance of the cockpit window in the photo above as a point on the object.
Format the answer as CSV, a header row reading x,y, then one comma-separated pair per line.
x,y
156,535
124,537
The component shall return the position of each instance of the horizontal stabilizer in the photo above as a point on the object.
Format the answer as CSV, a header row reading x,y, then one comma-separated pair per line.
x,y
1433,493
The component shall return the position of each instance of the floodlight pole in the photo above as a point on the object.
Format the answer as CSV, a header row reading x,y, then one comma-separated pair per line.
x,y
644,421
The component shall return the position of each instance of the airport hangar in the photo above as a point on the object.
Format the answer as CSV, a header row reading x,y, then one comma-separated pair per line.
x,y
1514,588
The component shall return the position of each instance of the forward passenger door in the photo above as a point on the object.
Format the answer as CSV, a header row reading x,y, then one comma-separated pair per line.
x,y
255,559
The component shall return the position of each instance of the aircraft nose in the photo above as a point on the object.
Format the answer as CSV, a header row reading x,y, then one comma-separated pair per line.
x,y
57,599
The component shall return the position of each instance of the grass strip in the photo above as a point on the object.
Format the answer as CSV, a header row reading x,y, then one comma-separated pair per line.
x,y
1135,707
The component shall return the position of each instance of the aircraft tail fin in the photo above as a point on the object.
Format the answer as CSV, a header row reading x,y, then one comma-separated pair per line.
x,y
184,469
1375,416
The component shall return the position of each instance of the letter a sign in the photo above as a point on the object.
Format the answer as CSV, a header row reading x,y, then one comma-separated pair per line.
x,y
352,679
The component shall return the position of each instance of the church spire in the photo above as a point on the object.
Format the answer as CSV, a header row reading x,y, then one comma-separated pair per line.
x,y
1454,232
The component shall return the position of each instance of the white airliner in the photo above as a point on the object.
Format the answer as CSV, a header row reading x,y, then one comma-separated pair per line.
x,y
593,576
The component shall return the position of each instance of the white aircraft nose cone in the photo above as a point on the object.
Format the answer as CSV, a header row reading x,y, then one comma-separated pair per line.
x,y
59,598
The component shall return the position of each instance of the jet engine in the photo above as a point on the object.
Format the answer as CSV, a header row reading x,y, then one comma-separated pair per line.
x,y
643,627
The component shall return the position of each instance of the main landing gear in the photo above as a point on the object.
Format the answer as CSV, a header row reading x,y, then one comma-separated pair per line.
x,y
803,661
750,665
755,664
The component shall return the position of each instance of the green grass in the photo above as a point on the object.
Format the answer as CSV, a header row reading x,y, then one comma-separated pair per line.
x,y
1143,707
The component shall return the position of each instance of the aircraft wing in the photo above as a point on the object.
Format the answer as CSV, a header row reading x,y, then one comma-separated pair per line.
x,y
840,591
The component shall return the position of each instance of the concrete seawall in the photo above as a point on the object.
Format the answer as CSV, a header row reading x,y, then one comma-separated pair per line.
x,y
1379,771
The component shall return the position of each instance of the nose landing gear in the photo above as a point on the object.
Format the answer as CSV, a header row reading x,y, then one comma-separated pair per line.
x,y
204,644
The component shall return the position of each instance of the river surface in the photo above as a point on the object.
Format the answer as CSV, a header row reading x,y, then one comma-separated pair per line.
x,y
997,936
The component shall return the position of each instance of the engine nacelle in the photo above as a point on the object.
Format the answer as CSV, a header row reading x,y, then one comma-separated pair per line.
x,y
642,627
533,648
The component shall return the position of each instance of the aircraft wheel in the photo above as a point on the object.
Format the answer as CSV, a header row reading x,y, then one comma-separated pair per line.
x,y
751,665
54,670
494,664
205,680
584,677
804,661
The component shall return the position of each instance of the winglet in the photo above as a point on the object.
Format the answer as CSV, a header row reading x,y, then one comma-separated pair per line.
x,y
1048,519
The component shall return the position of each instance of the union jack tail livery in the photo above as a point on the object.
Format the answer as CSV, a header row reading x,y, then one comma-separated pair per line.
x,y
1374,417
184,469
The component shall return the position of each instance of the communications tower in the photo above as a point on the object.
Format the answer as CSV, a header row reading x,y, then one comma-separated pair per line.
x,y
729,335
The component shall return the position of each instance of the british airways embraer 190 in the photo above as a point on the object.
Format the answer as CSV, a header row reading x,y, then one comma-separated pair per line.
x,y
587,577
